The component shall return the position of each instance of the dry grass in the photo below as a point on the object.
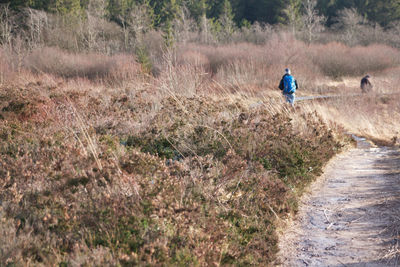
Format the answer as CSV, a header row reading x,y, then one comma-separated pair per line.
x,y
255,68
246,66
373,116
243,67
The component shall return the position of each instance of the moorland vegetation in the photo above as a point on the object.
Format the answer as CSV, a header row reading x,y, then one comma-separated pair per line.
x,y
124,145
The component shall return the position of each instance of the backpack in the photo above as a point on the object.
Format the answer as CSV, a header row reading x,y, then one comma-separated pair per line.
x,y
289,84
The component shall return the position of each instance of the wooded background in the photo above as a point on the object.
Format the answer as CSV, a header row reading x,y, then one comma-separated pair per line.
x,y
383,12
112,26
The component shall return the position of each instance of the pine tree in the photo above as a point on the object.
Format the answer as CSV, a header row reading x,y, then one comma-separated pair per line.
x,y
64,7
196,8
169,13
226,20
19,3
117,9
268,11
383,11
292,15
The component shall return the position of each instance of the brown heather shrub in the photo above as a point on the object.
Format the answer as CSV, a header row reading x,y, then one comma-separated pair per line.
x,y
198,182
124,68
193,57
7,71
92,66
337,60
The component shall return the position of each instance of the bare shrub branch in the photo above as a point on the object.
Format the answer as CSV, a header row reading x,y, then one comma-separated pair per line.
x,y
313,23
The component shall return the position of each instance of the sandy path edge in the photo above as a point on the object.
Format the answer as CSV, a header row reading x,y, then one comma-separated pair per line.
x,y
351,214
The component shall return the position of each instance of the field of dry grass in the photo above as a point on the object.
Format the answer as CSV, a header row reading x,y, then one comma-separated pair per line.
x,y
103,163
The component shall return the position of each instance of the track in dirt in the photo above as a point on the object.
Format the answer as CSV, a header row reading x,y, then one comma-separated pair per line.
x,y
351,217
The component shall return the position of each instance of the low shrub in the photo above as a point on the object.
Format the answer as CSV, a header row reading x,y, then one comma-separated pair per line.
x,y
203,182
92,66
337,60
7,70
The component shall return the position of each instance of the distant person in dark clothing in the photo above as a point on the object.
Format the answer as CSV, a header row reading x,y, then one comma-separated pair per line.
x,y
366,85
288,85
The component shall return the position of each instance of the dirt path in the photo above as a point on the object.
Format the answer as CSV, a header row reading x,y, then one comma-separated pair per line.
x,y
351,217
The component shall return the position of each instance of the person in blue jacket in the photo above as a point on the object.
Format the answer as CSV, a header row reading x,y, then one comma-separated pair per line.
x,y
288,86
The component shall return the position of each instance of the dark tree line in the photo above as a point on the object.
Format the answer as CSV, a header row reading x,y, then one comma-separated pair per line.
x,y
383,12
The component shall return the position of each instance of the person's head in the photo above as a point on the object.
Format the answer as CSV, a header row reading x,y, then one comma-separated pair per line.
x,y
367,76
287,71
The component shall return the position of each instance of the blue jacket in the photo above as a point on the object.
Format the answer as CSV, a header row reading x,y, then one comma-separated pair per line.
x,y
282,86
